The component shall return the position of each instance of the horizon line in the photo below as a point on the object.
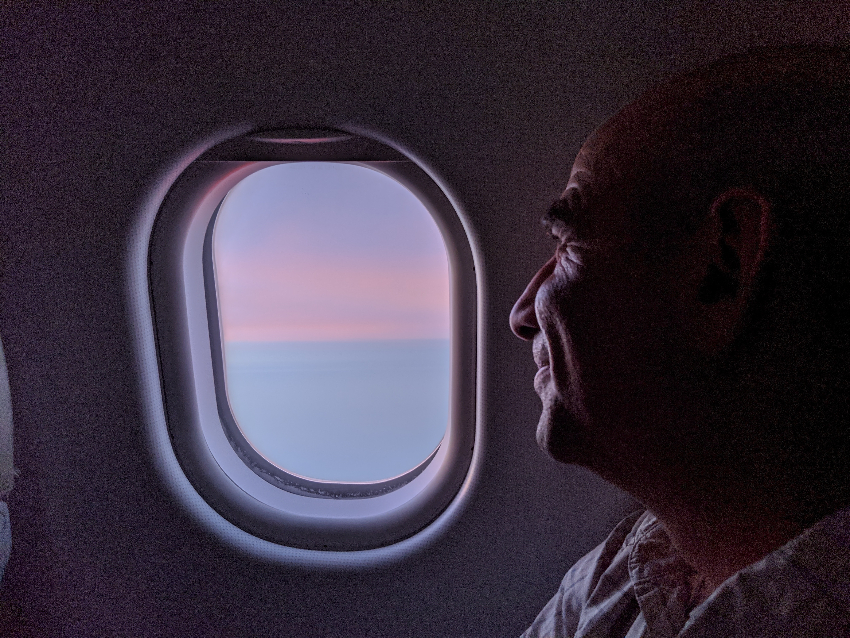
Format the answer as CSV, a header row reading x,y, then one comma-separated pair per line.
x,y
332,340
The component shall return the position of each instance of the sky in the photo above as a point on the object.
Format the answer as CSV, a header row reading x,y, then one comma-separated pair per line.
x,y
320,251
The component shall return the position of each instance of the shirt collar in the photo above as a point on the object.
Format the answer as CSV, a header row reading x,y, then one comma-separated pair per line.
x,y
663,582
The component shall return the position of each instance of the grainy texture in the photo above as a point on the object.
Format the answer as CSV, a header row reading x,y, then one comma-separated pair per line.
x,y
97,102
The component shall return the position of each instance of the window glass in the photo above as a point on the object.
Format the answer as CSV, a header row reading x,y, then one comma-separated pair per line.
x,y
333,290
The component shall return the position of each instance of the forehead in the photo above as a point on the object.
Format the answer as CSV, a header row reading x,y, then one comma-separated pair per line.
x,y
582,173
590,176
610,154
625,151
567,211
605,182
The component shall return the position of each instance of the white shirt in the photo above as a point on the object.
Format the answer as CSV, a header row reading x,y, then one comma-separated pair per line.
x,y
634,585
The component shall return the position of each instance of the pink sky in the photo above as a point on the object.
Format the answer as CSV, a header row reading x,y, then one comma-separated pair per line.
x,y
328,252
309,301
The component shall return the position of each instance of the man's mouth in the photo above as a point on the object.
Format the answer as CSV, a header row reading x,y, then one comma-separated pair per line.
x,y
540,379
540,351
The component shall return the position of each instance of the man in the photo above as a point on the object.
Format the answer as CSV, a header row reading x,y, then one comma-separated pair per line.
x,y
692,334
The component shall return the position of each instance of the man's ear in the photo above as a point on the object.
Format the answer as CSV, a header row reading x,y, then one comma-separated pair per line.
x,y
736,233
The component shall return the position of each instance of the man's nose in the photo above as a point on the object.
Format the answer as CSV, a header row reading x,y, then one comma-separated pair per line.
x,y
523,318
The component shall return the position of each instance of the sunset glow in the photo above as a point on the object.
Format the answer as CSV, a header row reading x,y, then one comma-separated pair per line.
x,y
325,251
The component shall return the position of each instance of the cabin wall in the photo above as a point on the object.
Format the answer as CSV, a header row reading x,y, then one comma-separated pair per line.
x,y
101,105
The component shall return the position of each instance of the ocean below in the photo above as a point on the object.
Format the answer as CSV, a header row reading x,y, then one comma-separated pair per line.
x,y
345,411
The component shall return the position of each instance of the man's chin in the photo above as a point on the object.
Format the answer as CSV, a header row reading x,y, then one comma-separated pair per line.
x,y
560,435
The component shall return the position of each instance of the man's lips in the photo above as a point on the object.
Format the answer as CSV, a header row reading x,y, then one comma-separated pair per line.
x,y
541,380
540,351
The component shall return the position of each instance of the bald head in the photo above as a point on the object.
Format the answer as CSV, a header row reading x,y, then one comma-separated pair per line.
x,y
775,123
777,120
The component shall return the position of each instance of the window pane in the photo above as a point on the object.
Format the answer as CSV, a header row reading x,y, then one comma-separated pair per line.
x,y
333,292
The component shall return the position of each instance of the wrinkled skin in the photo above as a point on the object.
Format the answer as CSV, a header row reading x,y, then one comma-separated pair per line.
x,y
602,320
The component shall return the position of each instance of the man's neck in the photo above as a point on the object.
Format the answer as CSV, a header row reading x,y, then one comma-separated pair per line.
x,y
719,522
724,477
718,547
720,534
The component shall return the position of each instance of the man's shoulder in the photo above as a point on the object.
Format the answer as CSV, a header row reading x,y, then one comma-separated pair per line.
x,y
801,589
597,579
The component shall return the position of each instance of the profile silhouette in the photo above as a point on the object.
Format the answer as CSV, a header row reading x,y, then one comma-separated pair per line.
x,y
692,332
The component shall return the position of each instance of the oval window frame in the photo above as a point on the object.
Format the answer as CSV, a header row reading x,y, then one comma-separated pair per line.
x,y
297,513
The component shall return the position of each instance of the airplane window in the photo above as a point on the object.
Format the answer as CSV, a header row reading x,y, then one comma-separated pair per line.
x,y
314,309
332,283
